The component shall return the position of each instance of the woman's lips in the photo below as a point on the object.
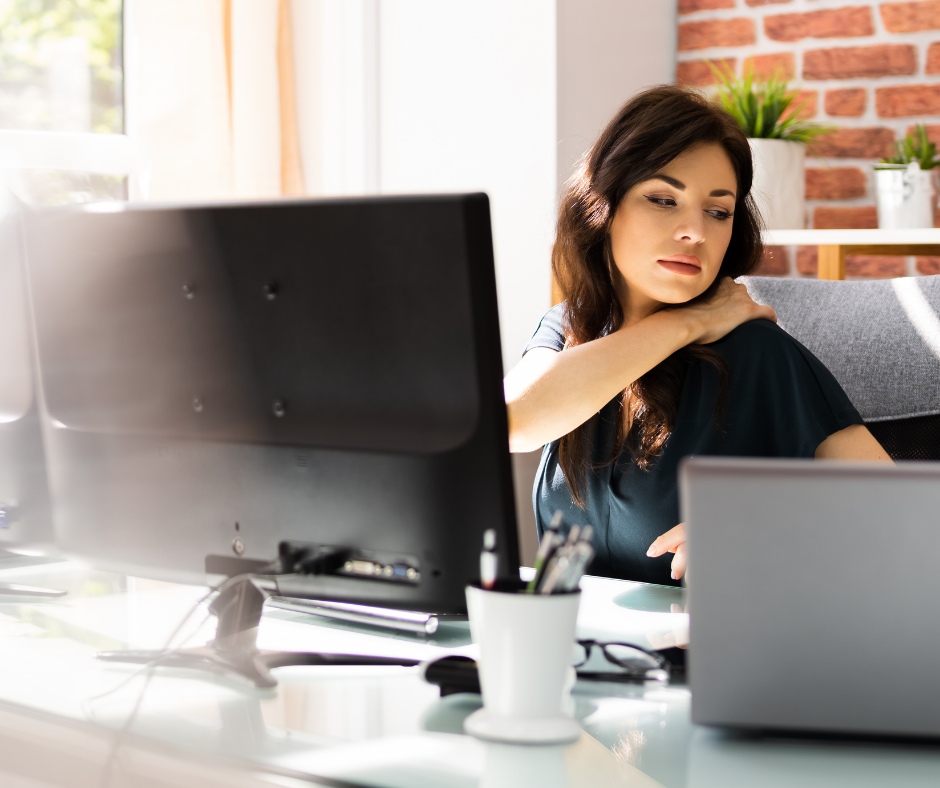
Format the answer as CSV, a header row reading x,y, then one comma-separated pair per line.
x,y
681,264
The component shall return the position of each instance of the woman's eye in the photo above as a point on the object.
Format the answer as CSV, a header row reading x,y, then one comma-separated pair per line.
x,y
666,202
720,215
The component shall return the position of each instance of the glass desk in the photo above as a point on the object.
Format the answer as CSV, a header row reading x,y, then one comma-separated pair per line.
x,y
60,709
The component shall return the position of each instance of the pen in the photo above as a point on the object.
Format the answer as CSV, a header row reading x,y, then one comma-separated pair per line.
x,y
488,559
573,559
573,535
546,548
576,566
556,569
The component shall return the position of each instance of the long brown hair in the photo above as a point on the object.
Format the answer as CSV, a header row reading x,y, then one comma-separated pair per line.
x,y
648,132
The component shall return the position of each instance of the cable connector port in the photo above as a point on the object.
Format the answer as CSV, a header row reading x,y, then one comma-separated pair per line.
x,y
313,559
386,571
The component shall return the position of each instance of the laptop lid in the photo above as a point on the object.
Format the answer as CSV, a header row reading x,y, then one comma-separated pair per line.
x,y
814,605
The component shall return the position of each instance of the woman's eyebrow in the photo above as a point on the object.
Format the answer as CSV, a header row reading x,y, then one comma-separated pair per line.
x,y
681,186
671,181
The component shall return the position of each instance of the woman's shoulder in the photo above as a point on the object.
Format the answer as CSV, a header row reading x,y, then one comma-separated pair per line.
x,y
551,331
757,335
766,349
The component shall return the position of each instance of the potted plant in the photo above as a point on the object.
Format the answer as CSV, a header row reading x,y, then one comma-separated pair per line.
x,y
906,184
765,108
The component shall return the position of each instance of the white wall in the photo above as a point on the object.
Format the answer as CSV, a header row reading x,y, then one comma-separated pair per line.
x,y
607,51
336,53
467,103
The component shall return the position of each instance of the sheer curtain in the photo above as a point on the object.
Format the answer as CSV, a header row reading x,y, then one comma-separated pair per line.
x,y
211,99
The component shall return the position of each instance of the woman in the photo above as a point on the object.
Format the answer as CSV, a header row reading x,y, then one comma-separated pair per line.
x,y
656,353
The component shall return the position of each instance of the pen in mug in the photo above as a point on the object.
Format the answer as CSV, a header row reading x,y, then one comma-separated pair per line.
x,y
556,569
558,562
488,559
570,562
546,548
576,566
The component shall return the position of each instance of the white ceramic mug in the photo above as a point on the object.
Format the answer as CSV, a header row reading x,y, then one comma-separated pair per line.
x,y
526,647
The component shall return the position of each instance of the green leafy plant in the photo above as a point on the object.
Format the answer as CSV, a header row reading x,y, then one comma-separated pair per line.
x,y
915,147
764,107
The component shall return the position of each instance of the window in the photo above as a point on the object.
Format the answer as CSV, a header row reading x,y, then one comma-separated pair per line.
x,y
61,71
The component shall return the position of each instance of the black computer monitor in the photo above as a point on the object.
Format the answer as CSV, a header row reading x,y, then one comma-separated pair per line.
x,y
324,377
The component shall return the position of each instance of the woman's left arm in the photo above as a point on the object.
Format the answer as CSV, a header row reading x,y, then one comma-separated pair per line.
x,y
852,443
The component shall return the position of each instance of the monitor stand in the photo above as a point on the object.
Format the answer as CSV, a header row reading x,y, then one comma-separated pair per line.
x,y
235,649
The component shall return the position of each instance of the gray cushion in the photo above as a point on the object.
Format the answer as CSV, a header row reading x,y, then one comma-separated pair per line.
x,y
879,338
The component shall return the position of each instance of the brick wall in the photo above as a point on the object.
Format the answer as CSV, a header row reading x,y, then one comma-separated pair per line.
x,y
870,68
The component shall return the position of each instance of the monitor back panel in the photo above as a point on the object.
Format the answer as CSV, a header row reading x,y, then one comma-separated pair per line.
x,y
812,595
325,372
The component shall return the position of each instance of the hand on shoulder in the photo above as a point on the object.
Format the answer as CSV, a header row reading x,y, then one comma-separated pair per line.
x,y
727,308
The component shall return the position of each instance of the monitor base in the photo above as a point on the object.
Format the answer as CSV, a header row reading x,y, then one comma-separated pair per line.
x,y
235,651
15,589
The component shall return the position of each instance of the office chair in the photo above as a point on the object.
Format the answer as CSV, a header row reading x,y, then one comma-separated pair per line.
x,y
881,340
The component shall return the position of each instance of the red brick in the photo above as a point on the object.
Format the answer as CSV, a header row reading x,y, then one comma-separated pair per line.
x,y
753,3
807,260
830,23
863,143
781,64
883,60
933,59
716,33
835,183
691,6
776,262
911,17
928,266
904,100
880,267
855,217
697,72
809,99
846,103
933,133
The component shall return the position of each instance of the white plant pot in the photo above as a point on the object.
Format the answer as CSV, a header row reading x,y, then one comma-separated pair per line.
x,y
905,196
780,183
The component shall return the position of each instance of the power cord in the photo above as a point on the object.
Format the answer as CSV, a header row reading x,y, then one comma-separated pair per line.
x,y
150,666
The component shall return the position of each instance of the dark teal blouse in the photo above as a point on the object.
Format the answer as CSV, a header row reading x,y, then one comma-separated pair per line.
x,y
782,402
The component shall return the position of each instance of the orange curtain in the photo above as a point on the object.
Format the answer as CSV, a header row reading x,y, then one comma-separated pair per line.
x,y
292,175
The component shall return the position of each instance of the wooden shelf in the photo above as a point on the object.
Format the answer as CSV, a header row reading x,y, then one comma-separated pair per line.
x,y
834,245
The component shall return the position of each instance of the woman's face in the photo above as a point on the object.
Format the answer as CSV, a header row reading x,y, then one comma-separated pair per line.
x,y
670,233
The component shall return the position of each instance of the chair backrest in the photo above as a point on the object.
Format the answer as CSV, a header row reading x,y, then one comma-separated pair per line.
x,y
881,341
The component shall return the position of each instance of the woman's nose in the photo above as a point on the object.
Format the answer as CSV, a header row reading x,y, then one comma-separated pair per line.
x,y
691,228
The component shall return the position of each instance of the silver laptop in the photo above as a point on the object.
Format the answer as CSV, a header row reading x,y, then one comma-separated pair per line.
x,y
813,595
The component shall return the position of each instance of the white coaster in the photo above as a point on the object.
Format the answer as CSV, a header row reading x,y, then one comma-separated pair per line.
x,y
522,730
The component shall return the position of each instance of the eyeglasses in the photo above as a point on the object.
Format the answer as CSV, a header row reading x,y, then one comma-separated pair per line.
x,y
637,664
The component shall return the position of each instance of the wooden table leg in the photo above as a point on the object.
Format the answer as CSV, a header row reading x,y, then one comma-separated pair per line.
x,y
831,262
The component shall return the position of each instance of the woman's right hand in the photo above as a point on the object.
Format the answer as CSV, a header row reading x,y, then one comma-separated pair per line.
x,y
727,308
